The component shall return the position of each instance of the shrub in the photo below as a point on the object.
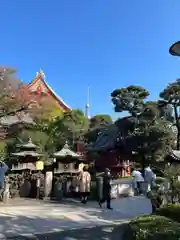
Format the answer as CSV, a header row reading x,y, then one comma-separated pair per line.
x,y
171,211
155,228
159,180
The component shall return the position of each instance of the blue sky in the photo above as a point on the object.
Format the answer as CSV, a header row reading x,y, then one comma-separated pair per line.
x,y
104,44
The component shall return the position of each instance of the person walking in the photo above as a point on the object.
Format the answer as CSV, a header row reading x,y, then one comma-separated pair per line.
x,y
85,184
149,178
138,180
106,189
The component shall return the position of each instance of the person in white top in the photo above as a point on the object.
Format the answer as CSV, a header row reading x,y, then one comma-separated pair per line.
x,y
138,180
149,178
85,184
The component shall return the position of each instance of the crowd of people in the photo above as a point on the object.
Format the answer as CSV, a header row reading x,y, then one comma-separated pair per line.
x,y
142,181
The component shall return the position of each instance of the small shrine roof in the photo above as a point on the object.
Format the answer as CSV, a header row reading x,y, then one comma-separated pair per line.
x,y
30,144
15,119
27,153
66,151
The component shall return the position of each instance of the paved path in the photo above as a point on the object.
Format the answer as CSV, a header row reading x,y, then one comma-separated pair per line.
x,y
111,232
38,217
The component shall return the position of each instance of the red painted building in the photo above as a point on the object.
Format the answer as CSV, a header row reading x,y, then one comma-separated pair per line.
x,y
12,124
40,86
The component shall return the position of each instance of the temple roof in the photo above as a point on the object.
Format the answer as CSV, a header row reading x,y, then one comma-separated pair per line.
x,y
66,151
40,84
15,119
29,145
27,153
106,140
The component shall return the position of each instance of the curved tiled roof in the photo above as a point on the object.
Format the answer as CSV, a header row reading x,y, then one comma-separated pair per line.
x,y
106,140
66,151
15,119
40,76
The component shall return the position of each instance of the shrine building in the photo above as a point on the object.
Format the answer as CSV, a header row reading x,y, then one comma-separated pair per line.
x,y
40,86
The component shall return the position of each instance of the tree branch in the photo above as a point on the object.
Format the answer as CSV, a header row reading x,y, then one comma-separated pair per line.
x,y
14,112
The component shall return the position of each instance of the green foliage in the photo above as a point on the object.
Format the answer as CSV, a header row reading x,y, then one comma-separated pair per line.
x,y
38,137
146,131
92,134
100,120
171,93
172,173
155,228
50,136
171,211
171,97
2,146
71,127
130,99
2,151
159,180
97,124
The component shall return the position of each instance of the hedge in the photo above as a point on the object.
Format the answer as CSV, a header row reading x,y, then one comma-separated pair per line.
x,y
171,211
155,227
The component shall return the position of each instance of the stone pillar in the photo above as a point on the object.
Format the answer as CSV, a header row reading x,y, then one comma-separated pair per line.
x,y
99,187
48,184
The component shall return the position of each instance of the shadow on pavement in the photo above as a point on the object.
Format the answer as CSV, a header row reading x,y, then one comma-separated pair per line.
x,y
53,221
113,232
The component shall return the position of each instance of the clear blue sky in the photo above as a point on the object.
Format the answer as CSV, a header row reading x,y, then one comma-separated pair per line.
x,y
105,44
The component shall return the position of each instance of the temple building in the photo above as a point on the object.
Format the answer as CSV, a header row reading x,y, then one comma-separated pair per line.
x,y
40,86
11,124
111,152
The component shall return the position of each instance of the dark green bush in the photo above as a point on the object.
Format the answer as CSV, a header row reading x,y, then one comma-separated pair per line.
x,y
171,211
155,228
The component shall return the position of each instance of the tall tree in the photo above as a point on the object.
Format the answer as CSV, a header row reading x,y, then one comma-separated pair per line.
x,y
145,131
71,126
130,99
171,98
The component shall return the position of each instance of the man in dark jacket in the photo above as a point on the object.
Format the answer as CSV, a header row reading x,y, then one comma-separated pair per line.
x,y
106,189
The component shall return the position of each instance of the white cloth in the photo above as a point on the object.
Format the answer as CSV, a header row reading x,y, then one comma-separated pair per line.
x,y
137,175
3,170
85,182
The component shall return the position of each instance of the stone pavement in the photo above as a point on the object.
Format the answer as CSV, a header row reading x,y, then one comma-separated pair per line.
x,y
110,232
32,217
